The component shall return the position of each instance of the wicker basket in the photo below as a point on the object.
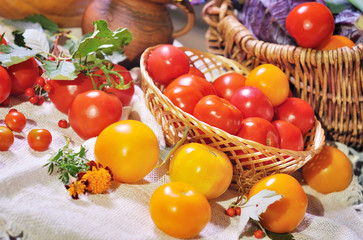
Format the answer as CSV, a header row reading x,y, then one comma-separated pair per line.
x,y
331,81
251,160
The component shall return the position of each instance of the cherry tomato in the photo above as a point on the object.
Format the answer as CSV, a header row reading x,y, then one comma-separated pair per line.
x,y
252,103
5,84
290,135
167,62
218,112
6,138
129,148
337,41
204,167
204,87
287,213
93,111
23,75
123,93
63,92
15,120
260,130
311,24
179,210
298,112
271,81
328,171
195,71
39,139
184,97
226,84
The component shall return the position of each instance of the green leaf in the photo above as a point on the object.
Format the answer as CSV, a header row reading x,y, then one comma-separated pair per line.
x,y
62,70
22,25
358,4
45,22
336,6
36,40
15,54
103,40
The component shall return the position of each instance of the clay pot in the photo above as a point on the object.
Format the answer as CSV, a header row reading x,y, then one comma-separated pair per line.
x,y
66,13
148,21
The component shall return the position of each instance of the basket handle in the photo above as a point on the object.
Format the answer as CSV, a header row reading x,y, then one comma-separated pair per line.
x,y
189,11
220,8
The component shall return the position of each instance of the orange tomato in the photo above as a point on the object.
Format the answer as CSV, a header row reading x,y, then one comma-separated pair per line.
x,y
6,138
286,214
272,81
329,171
337,41
206,168
179,210
129,148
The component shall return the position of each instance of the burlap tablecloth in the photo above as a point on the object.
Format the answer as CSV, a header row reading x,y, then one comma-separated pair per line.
x,y
36,205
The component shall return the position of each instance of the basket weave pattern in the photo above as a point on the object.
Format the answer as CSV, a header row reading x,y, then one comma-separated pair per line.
x,y
331,81
251,161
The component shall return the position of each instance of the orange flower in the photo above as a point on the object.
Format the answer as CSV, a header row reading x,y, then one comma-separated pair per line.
x,y
76,188
98,178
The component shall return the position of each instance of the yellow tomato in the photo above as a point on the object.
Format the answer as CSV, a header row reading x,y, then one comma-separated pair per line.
x,y
329,171
337,41
178,209
272,81
129,148
287,213
204,167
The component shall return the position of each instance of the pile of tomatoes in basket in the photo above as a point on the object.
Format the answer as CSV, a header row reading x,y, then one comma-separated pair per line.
x,y
258,107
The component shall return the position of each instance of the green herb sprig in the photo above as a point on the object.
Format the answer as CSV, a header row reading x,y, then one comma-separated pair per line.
x,y
68,162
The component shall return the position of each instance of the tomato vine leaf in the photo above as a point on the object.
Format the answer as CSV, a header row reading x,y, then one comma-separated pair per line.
x,y
62,70
15,54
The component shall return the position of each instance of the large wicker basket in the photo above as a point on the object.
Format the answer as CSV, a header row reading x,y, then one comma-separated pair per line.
x,y
251,160
331,81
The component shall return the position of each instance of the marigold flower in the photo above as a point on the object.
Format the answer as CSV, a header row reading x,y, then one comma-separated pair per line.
x,y
76,188
98,179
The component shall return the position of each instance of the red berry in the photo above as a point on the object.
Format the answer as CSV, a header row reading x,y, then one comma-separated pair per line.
x,y
63,123
33,99
231,212
40,81
40,100
51,58
29,92
258,233
238,211
12,110
47,87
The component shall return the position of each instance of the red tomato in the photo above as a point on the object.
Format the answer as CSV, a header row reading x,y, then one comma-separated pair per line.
x,y
226,84
311,24
5,84
23,75
124,94
92,111
6,138
290,135
167,62
252,103
195,71
337,41
63,92
39,139
184,97
218,112
15,120
260,130
298,112
204,87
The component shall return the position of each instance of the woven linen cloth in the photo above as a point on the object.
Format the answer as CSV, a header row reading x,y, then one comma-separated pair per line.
x,y
35,205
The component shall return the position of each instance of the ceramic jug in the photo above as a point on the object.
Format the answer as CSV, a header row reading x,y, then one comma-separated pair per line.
x,y
148,21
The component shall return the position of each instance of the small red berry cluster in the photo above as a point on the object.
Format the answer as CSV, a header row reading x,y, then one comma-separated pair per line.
x,y
36,93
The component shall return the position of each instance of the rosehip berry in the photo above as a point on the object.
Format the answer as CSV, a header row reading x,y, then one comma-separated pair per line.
x,y
258,234
40,81
47,87
29,92
238,211
63,123
231,212
34,99
40,100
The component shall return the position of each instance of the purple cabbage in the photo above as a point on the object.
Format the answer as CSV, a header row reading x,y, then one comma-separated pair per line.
x,y
349,23
266,19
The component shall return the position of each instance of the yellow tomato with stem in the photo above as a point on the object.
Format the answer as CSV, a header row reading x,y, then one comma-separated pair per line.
x,y
329,171
206,168
129,148
179,210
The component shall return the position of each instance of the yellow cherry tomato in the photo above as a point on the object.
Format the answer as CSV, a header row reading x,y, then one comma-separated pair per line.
x,y
129,148
204,167
329,171
272,81
179,210
287,213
